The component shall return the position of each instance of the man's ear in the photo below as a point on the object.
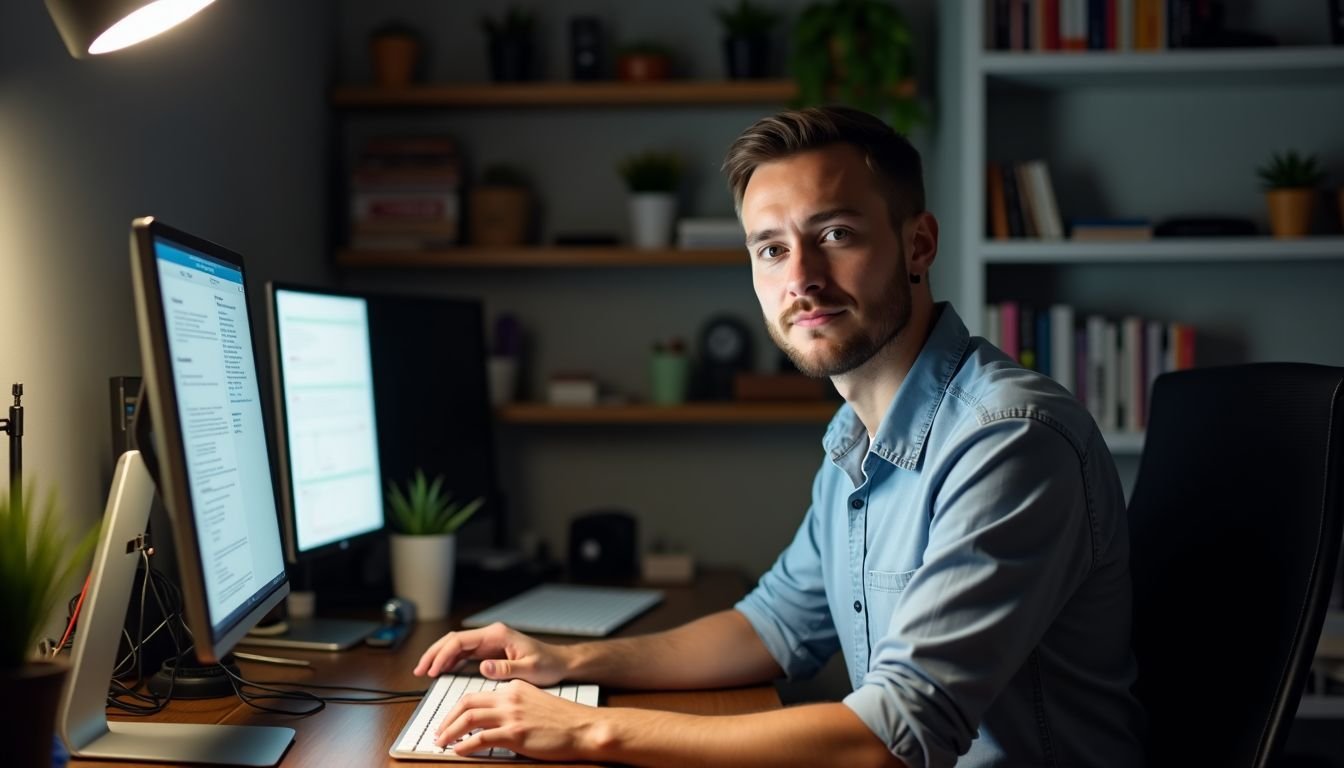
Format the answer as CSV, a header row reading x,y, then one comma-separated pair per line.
x,y
921,242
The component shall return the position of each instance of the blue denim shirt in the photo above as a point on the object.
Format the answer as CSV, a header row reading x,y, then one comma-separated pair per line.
x,y
971,563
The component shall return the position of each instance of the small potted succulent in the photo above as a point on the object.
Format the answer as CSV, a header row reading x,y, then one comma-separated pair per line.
x,y
424,546
746,42
858,52
652,178
501,208
394,52
38,560
511,43
1290,182
643,61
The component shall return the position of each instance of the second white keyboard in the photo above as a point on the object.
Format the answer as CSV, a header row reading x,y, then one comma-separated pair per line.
x,y
416,740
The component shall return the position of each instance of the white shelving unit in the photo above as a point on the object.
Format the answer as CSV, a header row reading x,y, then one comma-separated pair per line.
x,y
982,81
985,80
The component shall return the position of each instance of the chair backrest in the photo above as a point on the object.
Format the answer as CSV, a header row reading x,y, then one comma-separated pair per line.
x,y
1235,527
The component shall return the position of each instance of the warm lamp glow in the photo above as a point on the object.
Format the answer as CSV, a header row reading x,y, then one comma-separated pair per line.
x,y
90,27
146,22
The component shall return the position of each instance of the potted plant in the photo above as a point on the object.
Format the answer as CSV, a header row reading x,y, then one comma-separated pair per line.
x,y
858,52
424,546
37,561
643,61
510,41
652,178
394,51
501,208
1290,182
746,42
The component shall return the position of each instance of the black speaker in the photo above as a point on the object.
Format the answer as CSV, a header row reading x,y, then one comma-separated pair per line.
x,y
602,547
585,48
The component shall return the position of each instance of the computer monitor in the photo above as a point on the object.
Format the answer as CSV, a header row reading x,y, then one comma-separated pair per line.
x,y
211,466
326,427
326,443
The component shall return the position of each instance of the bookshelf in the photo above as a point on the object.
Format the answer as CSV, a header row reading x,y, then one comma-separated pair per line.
x,y
1154,134
1111,123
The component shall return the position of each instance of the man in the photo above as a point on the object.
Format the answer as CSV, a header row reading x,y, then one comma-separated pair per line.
x,y
966,548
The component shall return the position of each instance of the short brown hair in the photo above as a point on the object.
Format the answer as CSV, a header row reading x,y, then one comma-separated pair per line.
x,y
890,155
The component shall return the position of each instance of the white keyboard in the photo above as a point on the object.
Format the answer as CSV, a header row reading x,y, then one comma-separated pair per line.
x,y
567,609
416,740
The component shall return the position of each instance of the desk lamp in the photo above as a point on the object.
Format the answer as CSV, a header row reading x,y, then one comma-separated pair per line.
x,y
91,27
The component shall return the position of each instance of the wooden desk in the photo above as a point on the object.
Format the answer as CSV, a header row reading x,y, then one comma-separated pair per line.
x,y
361,734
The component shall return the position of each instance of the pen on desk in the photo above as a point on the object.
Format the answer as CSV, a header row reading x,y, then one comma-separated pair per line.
x,y
272,659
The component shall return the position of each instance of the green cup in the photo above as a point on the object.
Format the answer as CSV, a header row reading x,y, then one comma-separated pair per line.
x,y
667,378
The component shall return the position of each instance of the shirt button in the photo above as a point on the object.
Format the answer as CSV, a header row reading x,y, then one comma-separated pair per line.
x,y
856,503
858,607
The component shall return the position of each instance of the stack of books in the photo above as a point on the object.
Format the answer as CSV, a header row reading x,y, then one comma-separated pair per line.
x,y
1107,363
1022,201
406,193
1098,25
710,233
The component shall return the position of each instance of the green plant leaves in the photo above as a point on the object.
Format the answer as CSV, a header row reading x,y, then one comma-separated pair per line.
x,y
37,561
423,509
1289,170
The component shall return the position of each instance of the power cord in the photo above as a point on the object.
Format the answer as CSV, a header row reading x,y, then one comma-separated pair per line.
x,y
124,696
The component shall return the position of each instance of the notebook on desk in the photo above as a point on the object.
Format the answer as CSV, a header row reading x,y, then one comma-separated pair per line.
x,y
568,609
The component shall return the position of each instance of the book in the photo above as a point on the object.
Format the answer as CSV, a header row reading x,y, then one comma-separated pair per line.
x,y
1026,337
992,325
1027,200
1008,328
1044,208
998,207
1062,366
1016,227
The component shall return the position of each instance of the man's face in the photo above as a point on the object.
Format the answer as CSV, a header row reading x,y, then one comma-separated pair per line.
x,y
826,262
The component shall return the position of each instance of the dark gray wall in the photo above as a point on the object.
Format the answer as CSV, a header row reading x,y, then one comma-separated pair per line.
x,y
219,127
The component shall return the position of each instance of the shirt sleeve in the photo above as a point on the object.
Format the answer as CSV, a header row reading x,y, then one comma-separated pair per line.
x,y
1010,540
788,607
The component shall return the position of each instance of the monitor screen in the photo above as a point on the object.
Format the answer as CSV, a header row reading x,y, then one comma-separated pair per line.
x,y
322,366
214,470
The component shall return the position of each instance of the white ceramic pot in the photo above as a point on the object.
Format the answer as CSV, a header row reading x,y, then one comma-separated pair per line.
x,y
422,572
652,215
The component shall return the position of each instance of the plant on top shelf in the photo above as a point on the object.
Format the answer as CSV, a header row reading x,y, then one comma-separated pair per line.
x,y
652,178
510,39
643,60
746,44
858,52
1290,182
394,52
424,509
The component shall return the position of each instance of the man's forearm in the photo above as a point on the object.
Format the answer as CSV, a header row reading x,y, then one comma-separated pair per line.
x,y
818,734
719,650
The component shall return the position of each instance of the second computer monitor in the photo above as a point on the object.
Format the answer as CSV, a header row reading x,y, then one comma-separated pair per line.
x,y
327,427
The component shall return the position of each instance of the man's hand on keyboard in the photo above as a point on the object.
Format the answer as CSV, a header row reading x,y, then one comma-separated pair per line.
x,y
506,654
522,718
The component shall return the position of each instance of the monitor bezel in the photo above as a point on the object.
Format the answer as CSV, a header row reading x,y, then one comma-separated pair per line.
x,y
161,393
286,485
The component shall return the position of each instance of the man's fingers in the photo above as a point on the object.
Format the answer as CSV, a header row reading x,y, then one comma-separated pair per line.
x,y
471,712
481,741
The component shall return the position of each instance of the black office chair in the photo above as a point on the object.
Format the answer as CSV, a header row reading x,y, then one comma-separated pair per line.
x,y
1235,527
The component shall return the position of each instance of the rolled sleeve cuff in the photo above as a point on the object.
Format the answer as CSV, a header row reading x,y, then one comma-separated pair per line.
x,y
877,711
791,655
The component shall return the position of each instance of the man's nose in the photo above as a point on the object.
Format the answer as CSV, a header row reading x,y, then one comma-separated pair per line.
x,y
807,271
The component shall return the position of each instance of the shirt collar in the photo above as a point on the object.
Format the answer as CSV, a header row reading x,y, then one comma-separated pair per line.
x,y
900,437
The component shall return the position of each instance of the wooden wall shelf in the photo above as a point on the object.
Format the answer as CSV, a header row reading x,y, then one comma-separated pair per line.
x,y
511,258
606,93
689,413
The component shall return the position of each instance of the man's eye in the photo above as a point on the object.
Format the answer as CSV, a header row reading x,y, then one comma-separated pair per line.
x,y
770,252
836,234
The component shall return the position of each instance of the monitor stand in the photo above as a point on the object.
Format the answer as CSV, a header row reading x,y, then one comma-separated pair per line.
x,y
82,718
312,634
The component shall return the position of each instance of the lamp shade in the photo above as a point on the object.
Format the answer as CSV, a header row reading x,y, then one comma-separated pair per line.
x,y
91,27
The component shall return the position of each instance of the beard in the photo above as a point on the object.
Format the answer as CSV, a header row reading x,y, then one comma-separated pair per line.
x,y
847,352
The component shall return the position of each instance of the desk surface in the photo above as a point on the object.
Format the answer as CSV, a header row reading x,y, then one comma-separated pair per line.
x,y
345,734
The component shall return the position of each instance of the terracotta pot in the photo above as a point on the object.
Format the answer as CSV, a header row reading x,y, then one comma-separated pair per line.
x,y
36,688
1290,211
395,59
500,216
642,67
